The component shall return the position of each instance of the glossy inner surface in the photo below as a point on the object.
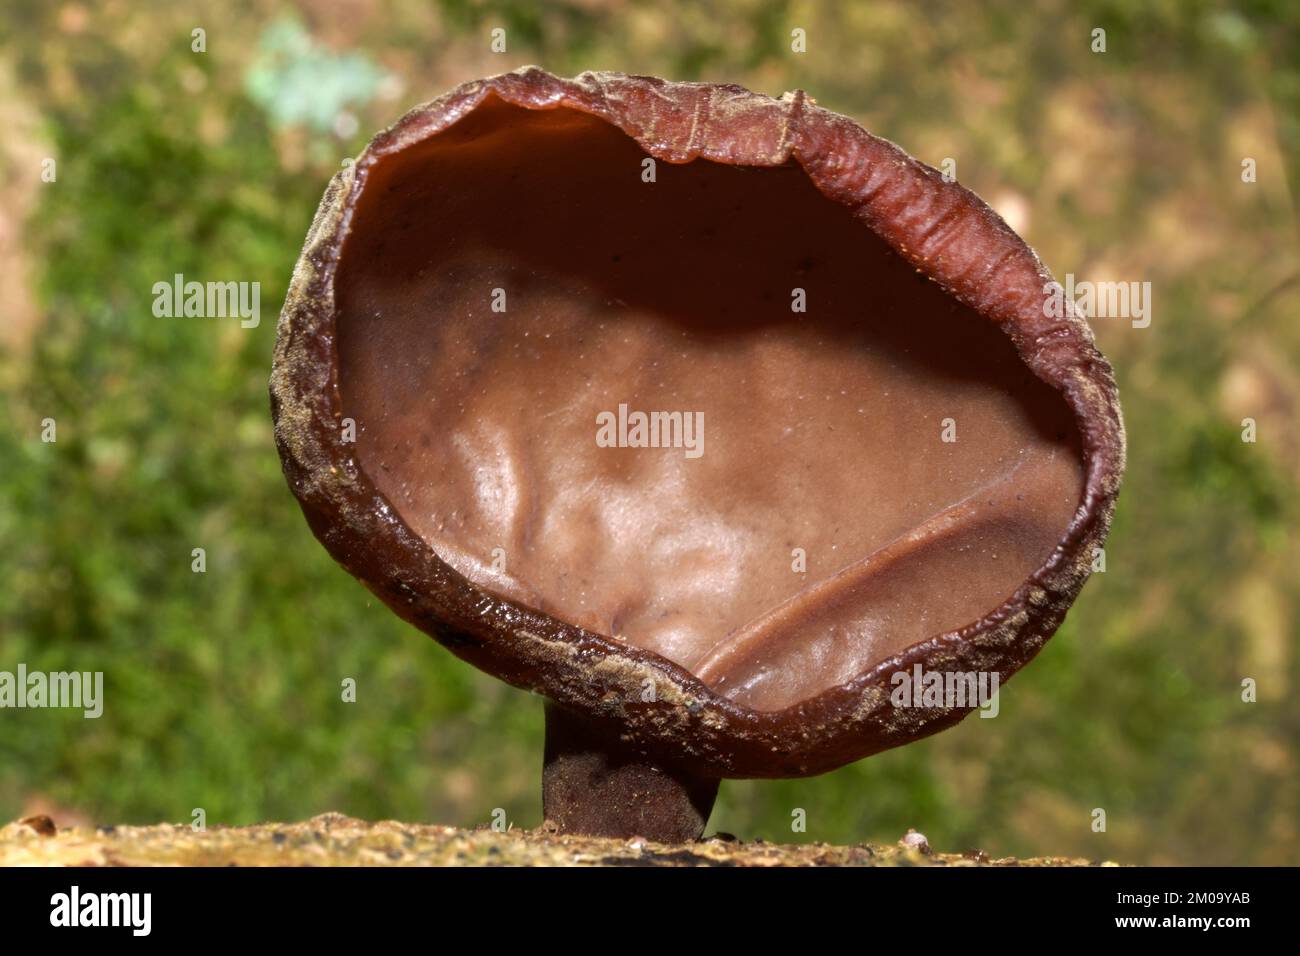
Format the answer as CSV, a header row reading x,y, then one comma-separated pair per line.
x,y
825,523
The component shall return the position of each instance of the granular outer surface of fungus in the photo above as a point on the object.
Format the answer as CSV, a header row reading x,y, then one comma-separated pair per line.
x,y
701,413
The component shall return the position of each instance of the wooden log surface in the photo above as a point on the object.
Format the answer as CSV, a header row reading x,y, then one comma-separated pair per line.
x,y
333,839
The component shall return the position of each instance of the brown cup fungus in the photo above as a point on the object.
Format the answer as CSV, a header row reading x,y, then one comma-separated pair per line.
x,y
703,414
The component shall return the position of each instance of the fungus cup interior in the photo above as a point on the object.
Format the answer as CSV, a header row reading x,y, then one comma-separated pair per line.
x,y
817,523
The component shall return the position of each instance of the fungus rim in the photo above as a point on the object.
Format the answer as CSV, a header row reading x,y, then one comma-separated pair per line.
x,y
924,218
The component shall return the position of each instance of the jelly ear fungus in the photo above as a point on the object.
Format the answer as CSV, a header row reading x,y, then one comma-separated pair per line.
x,y
899,460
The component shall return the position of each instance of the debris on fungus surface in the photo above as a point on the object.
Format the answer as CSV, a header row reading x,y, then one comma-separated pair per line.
x,y
701,413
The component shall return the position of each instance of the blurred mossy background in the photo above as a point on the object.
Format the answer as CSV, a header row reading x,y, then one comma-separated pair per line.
x,y
223,688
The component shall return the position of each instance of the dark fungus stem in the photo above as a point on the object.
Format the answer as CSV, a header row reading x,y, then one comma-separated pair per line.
x,y
594,784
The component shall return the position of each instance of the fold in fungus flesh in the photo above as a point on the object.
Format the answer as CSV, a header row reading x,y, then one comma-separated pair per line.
x,y
840,482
